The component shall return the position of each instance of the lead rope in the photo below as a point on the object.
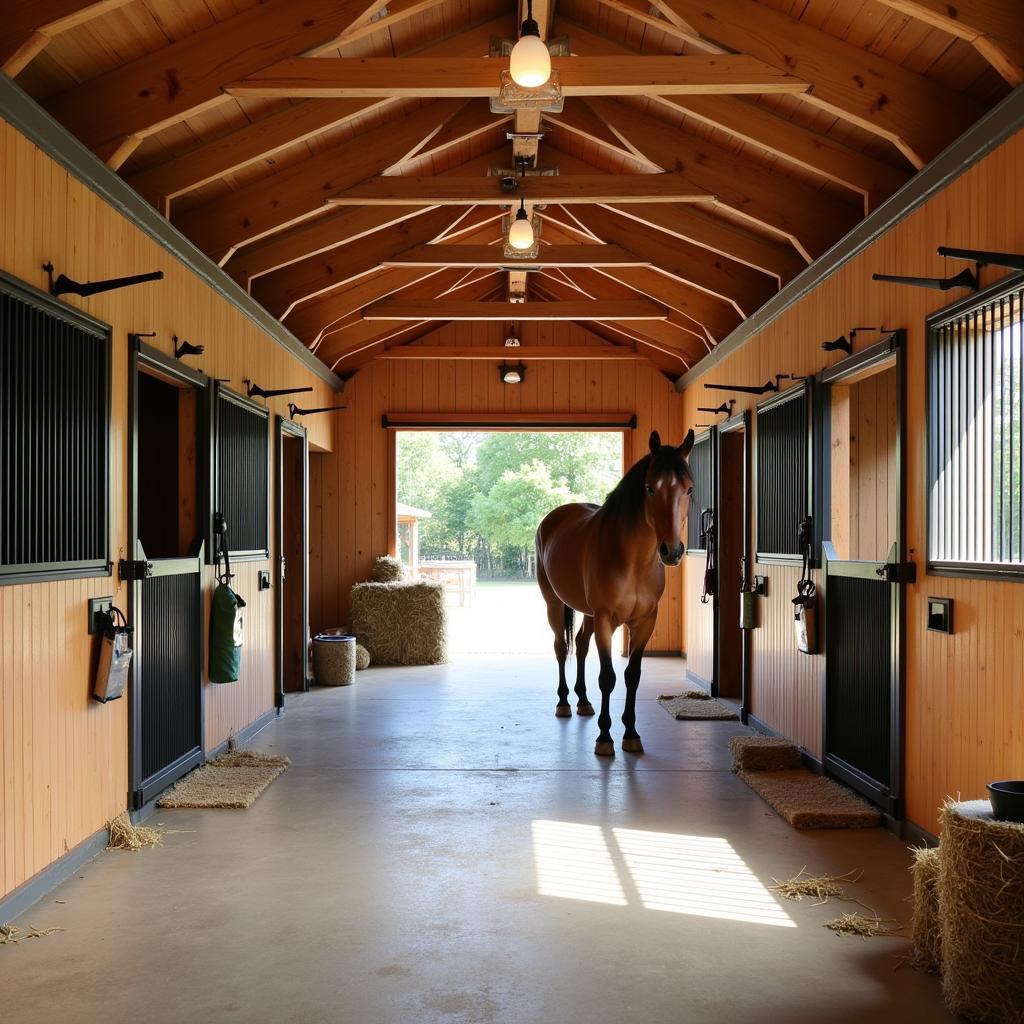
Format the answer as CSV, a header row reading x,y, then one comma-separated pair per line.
x,y
707,533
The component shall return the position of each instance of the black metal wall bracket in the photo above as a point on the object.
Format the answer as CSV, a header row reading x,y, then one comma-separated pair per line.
x,y
841,344
752,389
185,348
64,285
985,257
725,409
135,569
294,410
898,572
257,391
965,279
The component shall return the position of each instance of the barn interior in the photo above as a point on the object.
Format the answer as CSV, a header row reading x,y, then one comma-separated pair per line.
x,y
247,243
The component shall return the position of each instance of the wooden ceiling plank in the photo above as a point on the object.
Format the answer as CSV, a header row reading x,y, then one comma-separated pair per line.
x,y
297,192
993,27
561,188
918,116
341,77
811,220
754,124
269,135
28,26
397,12
282,290
493,256
497,353
395,309
186,77
739,286
580,120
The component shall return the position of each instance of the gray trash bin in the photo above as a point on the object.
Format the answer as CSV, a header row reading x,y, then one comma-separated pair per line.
x,y
334,659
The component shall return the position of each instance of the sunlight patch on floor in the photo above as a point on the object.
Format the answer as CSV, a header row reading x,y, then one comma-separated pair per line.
x,y
698,875
573,862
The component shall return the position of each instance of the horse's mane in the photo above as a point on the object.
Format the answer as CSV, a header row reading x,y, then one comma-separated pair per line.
x,y
625,501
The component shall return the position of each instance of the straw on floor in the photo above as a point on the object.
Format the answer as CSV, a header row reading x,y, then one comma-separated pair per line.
x,y
123,835
807,800
696,705
981,913
926,932
234,779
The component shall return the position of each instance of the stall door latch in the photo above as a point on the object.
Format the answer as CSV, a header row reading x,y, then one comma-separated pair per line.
x,y
134,570
898,572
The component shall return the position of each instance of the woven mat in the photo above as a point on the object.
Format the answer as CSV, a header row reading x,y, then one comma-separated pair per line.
x,y
807,800
234,779
696,705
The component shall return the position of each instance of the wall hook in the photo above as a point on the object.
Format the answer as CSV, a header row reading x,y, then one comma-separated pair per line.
x,y
255,389
64,285
725,409
965,279
985,257
294,410
752,389
842,344
185,348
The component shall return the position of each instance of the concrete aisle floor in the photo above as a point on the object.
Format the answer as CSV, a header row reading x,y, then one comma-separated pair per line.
x,y
443,849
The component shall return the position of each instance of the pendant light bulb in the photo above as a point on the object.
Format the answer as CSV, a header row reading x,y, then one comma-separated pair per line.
x,y
530,63
520,234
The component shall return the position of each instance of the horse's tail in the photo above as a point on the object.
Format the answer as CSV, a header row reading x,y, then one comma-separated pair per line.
x,y
570,630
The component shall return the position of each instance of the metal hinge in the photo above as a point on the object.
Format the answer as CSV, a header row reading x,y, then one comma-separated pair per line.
x,y
134,570
898,572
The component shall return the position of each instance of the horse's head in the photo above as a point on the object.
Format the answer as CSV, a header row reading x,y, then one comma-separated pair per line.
x,y
668,486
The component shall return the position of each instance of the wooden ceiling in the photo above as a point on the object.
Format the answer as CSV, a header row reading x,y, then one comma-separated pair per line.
x,y
336,156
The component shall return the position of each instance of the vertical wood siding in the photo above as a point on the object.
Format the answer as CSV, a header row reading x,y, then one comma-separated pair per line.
x,y
63,757
965,702
353,488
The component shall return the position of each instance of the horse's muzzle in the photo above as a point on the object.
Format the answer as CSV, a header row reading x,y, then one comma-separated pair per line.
x,y
671,557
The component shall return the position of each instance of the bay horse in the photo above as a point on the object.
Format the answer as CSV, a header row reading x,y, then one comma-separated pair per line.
x,y
608,563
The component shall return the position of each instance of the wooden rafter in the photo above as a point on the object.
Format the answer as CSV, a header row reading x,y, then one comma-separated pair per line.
x,y
493,256
269,135
297,192
186,77
281,291
496,353
561,188
917,115
809,219
340,77
396,309
28,26
993,27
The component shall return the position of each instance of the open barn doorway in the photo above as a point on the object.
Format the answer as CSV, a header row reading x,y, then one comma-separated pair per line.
x,y
468,505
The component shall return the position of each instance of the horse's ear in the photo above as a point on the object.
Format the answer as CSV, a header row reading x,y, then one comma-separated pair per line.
x,y
655,441
687,445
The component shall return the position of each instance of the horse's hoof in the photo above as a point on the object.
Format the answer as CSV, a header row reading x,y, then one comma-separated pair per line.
x,y
604,748
563,711
584,709
632,745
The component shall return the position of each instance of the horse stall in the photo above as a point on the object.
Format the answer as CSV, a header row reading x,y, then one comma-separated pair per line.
x,y
777,246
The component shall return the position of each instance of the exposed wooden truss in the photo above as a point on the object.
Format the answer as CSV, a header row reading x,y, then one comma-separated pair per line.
x,y
495,353
638,309
493,256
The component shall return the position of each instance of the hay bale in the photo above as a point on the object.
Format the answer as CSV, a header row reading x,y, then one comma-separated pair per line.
x,y
387,569
401,623
763,754
981,913
925,930
362,658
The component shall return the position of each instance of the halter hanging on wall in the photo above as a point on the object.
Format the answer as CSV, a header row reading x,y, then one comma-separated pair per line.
x,y
753,389
294,410
185,348
254,390
64,285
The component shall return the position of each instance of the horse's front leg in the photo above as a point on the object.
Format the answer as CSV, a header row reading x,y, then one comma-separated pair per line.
x,y
583,705
603,630
639,633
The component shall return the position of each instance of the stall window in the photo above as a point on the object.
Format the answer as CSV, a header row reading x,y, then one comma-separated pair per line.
x,y
54,439
241,458
703,491
783,458
975,427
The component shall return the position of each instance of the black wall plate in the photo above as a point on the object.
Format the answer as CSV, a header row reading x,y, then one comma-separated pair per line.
x,y
264,579
99,610
940,614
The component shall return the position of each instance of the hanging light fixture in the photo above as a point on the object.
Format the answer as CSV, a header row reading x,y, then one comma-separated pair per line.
x,y
520,232
530,63
512,374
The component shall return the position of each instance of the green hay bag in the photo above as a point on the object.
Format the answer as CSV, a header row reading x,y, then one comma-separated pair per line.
x,y
226,634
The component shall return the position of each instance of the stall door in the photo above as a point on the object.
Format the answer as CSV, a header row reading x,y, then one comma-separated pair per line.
x,y
700,605
167,496
865,573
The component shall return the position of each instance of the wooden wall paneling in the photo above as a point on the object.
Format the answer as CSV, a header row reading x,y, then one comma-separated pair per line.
x,y
963,698
700,637
64,757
